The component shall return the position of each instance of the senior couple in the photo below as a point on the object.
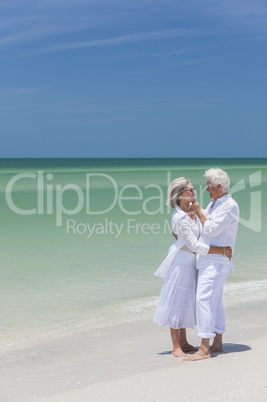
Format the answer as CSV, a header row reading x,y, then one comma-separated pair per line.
x,y
197,264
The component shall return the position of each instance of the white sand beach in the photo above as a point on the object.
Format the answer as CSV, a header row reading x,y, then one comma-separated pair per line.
x,y
133,362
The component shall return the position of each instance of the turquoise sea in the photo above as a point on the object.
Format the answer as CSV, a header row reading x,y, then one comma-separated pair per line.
x,y
82,238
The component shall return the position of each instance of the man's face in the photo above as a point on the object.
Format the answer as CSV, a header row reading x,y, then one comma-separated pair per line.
x,y
215,191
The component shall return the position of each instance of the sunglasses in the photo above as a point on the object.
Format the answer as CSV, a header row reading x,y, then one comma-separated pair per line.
x,y
190,189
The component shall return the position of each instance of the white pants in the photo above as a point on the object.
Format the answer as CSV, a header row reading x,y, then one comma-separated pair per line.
x,y
209,303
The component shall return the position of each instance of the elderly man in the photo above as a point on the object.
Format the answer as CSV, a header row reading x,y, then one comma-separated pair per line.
x,y
220,222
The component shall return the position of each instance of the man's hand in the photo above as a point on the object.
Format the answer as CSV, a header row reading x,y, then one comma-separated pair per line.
x,y
228,252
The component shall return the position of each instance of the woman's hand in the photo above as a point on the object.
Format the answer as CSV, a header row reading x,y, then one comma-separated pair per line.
x,y
228,252
175,235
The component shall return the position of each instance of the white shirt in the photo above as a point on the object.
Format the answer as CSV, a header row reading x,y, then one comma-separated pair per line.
x,y
188,231
220,230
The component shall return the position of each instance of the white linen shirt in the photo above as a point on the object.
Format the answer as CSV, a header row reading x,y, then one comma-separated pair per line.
x,y
187,231
220,230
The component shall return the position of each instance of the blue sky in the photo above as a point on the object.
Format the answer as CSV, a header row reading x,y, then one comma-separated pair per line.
x,y
143,78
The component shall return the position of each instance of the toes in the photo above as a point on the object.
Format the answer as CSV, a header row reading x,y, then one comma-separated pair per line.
x,y
196,357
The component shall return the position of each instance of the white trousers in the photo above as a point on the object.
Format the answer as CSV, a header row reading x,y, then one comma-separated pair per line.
x,y
209,303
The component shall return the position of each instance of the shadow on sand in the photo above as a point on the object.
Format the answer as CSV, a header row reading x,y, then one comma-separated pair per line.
x,y
234,348
227,348
167,352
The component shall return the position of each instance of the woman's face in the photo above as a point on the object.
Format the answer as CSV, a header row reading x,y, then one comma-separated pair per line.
x,y
189,193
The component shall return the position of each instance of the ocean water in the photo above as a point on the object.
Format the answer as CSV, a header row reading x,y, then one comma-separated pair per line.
x,y
81,239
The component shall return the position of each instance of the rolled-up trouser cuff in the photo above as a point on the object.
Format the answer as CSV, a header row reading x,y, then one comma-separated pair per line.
x,y
205,336
219,331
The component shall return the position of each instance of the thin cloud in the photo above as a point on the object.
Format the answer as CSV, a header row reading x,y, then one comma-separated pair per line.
x,y
179,52
20,91
42,28
123,39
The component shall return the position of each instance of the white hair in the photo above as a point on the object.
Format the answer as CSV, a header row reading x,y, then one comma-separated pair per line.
x,y
218,176
176,187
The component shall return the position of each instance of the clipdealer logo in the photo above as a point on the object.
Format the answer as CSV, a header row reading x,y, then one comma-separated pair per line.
x,y
255,180
50,196
51,200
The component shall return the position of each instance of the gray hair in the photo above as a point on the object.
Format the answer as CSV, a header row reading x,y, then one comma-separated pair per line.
x,y
176,187
218,176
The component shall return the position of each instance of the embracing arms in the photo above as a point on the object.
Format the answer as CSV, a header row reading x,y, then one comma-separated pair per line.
x,y
182,229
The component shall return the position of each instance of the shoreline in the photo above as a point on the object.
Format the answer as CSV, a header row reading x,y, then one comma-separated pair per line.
x,y
133,362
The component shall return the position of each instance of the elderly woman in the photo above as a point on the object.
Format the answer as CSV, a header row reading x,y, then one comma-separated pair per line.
x,y
176,306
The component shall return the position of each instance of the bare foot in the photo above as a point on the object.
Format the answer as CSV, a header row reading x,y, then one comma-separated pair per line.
x,y
202,353
186,347
178,353
216,349
217,346
199,355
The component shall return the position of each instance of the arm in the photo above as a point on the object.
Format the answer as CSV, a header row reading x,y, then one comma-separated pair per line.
x,y
176,236
215,225
185,232
197,209
182,228
227,251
